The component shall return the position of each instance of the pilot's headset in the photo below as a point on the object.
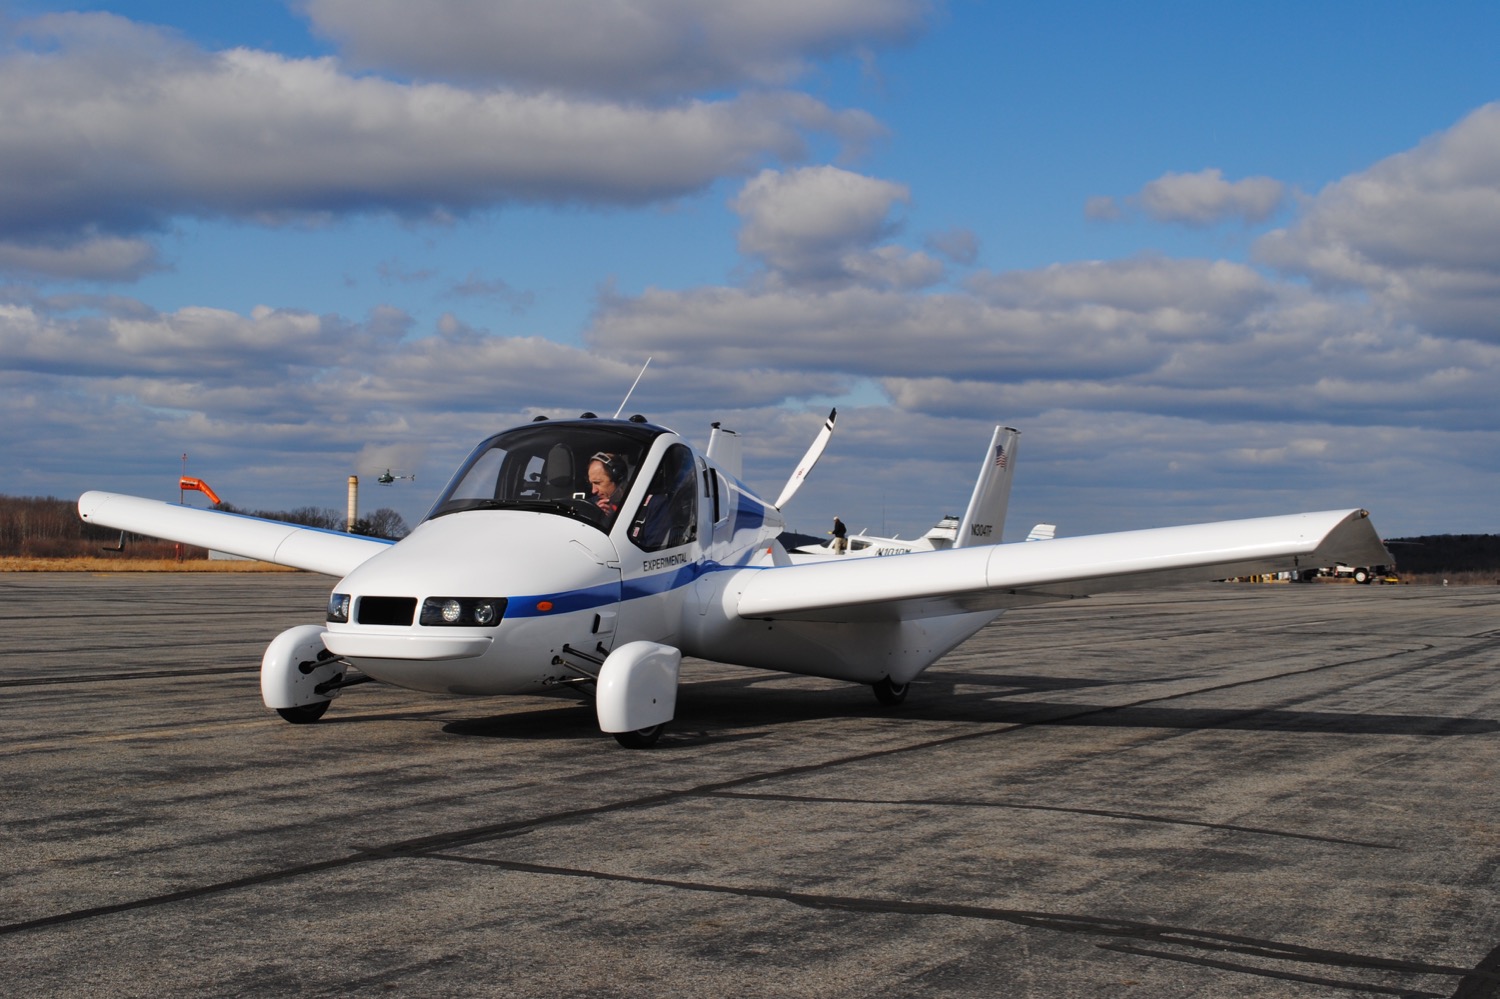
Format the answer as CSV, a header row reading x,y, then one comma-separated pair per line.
x,y
614,467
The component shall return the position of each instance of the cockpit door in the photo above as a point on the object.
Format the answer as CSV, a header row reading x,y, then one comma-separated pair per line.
x,y
658,539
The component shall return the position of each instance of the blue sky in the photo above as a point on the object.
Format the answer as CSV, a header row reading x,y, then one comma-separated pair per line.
x,y
1213,260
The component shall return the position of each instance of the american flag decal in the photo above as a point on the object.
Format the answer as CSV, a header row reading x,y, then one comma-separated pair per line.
x,y
1000,456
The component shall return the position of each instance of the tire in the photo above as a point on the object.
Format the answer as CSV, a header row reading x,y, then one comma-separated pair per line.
x,y
641,738
304,714
888,693
1361,575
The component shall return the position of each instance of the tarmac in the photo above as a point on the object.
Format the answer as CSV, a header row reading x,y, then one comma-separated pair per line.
x,y
1225,790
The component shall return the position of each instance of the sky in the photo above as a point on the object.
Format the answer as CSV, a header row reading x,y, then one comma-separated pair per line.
x,y
1212,260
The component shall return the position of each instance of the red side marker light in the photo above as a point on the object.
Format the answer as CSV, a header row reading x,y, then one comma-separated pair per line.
x,y
544,605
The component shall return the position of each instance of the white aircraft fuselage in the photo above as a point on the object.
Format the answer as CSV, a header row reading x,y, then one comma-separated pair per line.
x,y
570,587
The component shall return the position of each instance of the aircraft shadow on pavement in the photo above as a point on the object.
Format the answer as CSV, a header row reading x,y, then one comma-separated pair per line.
x,y
938,701
722,710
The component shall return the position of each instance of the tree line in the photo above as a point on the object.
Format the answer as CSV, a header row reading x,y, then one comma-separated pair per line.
x,y
47,527
1446,553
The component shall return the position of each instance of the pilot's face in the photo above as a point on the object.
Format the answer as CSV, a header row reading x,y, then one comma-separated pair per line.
x,y
599,479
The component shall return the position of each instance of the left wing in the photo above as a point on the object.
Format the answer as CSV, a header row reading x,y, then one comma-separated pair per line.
x,y
927,584
310,548
808,461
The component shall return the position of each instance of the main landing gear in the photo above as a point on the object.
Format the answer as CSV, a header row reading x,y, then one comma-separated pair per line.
x,y
888,693
641,738
637,692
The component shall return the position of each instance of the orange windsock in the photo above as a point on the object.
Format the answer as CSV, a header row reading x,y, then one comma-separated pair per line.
x,y
201,486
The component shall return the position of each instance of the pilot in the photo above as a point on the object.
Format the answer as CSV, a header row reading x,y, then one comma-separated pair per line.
x,y
607,479
840,536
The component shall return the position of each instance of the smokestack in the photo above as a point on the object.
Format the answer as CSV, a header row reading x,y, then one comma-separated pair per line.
x,y
353,503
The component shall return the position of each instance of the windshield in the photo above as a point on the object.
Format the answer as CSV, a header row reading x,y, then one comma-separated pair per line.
x,y
579,469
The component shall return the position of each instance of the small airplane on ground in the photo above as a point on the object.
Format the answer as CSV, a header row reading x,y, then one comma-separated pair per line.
x,y
592,554
981,523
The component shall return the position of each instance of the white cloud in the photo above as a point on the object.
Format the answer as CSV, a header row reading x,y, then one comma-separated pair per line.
x,y
1205,198
1103,209
958,245
806,224
97,258
197,344
1417,231
1137,284
893,267
113,127
639,48
1191,338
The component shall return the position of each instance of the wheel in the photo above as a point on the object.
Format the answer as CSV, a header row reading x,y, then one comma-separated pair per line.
x,y
888,693
304,714
641,738
1361,575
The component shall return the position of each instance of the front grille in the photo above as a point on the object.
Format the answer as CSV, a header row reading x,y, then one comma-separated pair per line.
x,y
386,610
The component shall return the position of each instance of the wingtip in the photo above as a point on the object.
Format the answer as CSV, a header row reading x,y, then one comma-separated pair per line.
x,y
89,502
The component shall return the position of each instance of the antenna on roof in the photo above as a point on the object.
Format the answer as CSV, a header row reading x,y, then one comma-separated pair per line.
x,y
632,388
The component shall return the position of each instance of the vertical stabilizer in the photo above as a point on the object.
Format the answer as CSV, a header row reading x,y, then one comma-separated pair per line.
x,y
985,517
724,451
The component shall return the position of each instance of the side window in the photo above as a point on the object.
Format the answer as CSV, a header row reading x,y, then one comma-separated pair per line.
x,y
668,515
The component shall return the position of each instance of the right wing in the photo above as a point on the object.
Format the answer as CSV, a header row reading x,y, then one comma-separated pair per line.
x,y
991,577
314,549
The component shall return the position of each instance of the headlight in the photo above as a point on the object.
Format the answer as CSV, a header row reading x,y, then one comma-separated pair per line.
x,y
338,608
470,612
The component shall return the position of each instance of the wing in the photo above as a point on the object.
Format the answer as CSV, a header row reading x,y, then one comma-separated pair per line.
x,y
310,548
927,584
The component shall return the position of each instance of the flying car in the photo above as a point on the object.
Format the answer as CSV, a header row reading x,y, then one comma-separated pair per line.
x,y
524,579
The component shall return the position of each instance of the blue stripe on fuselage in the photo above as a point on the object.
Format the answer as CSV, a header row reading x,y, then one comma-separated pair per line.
x,y
562,603
603,596
630,589
662,582
749,515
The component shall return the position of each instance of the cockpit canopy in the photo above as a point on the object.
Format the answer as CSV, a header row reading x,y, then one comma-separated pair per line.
x,y
544,466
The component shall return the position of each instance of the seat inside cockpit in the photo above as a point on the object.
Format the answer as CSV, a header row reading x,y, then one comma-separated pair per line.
x,y
559,479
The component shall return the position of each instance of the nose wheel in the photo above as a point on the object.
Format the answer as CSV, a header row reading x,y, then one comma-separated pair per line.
x,y
304,714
